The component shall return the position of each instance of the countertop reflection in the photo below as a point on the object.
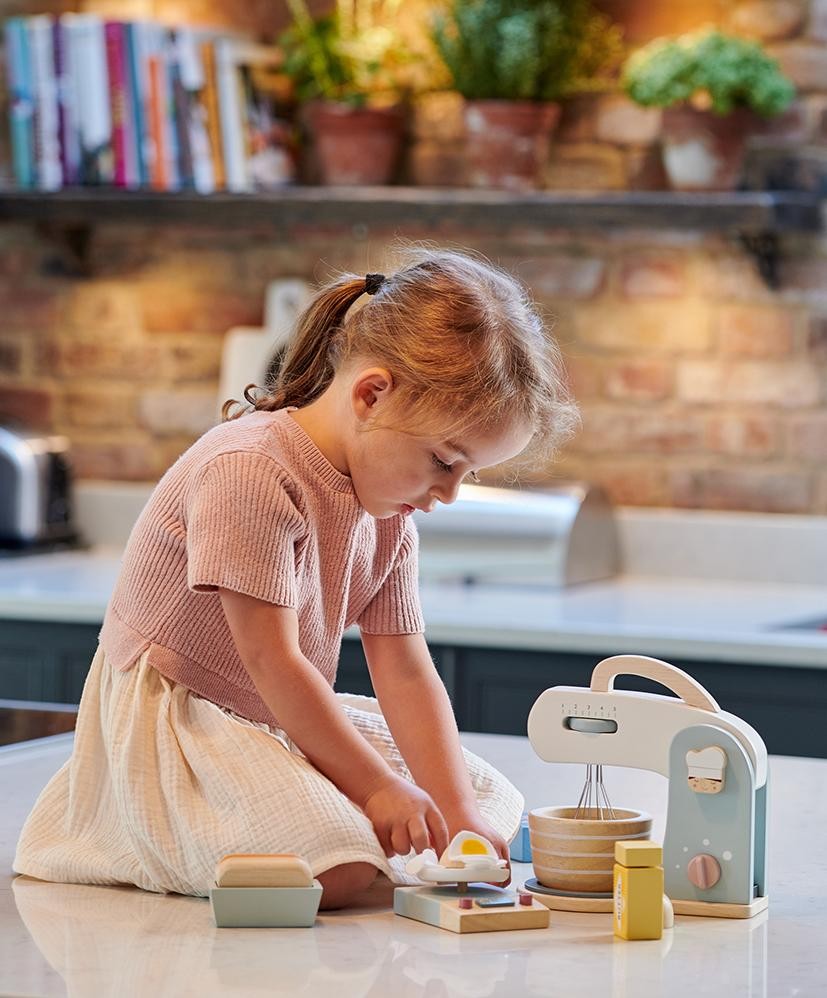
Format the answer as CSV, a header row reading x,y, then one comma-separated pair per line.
x,y
60,939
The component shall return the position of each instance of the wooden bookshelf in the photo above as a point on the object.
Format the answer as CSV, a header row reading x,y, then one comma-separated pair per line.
x,y
757,219
743,212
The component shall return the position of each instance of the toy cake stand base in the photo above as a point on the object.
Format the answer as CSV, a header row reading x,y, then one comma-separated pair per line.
x,y
266,907
569,900
439,906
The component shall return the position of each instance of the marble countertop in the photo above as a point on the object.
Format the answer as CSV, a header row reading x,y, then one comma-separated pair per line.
x,y
58,939
727,620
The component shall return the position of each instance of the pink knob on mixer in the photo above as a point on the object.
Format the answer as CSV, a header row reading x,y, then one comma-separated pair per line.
x,y
703,871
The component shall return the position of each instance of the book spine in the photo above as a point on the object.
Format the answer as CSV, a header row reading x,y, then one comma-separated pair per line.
x,y
21,101
113,34
158,171
130,146
210,96
48,174
180,102
94,112
170,129
148,50
137,100
66,104
191,72
59,52
232,127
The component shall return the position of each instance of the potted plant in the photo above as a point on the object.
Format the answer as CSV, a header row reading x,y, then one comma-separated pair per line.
x,y
513,61
715,90
344,70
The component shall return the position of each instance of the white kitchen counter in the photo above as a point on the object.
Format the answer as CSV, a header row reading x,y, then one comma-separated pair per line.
x,y
731,620
58,939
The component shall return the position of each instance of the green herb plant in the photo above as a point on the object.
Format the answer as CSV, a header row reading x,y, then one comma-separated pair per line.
x,y
523,50
709,71
350,55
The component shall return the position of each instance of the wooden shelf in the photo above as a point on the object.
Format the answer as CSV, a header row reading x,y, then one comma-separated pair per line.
x,y
747,212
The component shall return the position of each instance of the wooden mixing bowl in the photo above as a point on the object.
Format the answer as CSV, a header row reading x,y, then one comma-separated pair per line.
x,y
577,854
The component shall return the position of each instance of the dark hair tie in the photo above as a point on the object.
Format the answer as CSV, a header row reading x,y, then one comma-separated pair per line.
x,y
373,282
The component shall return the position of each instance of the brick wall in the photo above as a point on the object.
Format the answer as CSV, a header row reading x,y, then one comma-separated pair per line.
x,y
699,386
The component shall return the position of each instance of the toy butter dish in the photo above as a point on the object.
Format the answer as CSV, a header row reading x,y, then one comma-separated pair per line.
x,y
264,890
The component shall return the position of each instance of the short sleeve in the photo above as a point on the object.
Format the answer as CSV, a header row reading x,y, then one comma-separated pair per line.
x,y
242,528
395,609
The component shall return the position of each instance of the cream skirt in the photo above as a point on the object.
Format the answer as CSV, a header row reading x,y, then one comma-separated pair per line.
x,y
162,783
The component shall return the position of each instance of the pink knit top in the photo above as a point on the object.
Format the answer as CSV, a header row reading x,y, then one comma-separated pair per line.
x,y
254,506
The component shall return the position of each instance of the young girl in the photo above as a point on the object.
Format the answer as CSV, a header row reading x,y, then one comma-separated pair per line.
x,y
208,722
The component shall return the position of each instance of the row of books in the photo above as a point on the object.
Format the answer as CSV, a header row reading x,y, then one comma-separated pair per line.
x,y
143,105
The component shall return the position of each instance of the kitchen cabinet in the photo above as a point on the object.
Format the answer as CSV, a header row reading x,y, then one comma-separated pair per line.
x,y
46,661
492,689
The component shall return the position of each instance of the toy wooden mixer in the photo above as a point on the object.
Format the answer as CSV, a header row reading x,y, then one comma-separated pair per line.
x,y
715,843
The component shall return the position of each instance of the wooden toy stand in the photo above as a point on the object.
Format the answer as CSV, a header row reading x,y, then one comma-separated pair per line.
x,y
439,906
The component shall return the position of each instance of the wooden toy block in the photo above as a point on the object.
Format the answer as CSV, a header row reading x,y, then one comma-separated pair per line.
x,y
264,890
254,869
638,890
491,909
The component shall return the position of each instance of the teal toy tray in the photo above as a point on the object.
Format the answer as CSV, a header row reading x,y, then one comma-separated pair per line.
x,y
265,907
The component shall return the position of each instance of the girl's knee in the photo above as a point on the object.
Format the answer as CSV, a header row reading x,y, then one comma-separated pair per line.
x,y
341,884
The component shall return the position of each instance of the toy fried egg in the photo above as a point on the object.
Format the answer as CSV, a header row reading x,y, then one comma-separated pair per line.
x,y
467,857
468,848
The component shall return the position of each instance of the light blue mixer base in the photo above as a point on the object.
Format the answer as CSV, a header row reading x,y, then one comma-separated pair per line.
x,y
729,828
265,907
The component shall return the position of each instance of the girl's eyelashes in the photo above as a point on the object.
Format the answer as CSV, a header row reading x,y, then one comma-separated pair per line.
x,y
448,468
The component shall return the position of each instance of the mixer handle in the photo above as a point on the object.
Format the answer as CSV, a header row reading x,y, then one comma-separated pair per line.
x,y
670,676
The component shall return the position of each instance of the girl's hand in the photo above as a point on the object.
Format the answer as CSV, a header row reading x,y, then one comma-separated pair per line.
x,y
470,819
405,817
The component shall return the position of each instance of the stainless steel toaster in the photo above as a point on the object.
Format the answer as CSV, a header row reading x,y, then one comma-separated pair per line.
x,y
559,535
35,488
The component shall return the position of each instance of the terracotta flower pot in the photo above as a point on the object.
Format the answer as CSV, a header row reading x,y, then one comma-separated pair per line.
x,y
704,151
507,142
577,854
355,146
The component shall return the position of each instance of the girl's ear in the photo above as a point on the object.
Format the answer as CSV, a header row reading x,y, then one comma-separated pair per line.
x,y
370,389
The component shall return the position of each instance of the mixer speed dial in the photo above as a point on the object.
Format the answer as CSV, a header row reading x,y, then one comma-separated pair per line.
x,y
704,871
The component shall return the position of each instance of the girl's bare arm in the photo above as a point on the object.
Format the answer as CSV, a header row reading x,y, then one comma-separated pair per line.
x,y
267,639
420,716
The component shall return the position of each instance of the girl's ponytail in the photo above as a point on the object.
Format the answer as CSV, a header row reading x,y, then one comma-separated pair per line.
x,y
308,366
